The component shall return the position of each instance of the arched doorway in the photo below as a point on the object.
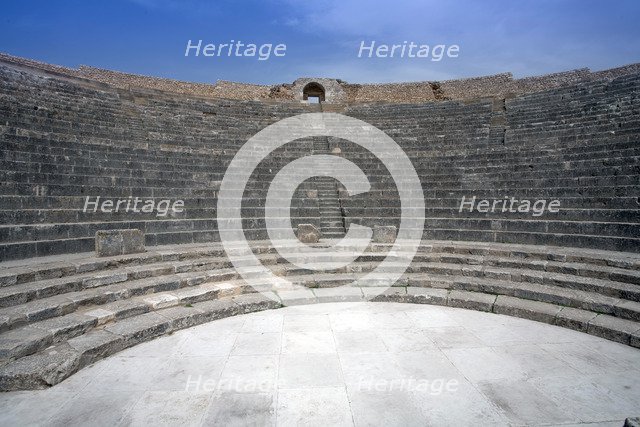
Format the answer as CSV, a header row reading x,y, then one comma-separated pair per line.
x,y
313,92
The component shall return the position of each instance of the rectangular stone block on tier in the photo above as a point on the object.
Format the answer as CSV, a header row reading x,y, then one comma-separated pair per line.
x,y
308,233
384,233
119,242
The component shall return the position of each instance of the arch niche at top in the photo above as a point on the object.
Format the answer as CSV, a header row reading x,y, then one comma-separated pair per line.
x,y
313,90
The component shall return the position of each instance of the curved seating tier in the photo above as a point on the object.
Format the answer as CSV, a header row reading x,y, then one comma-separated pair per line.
x,y
62,141
578,145
61,313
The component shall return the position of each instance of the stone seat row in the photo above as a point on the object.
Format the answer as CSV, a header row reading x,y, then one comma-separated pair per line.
x,y
611,186
187,233
519,155
61,315
55,298
356,206
62,238
38,300
406,146
624,158
61,224
564,164
621,152
43,110
629,244
441,179
382,198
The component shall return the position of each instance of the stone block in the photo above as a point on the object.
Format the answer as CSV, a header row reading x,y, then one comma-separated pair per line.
x,y
384,234
339,294
574,318
159,301
218,309
384,294
104,279
126,308
101,315
96,345
632,422
427,296
471,300
182,317
249,303
64,327
635,339
613,328
23,341
526,309
8,280
135,330
40,370
119,242
308,233
297,297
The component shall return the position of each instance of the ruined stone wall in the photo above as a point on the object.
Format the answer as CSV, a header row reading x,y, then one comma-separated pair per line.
x,y
128,81
392,92
548,81
612,73
337,91
221,89
476,87
499,85
241,91
40,65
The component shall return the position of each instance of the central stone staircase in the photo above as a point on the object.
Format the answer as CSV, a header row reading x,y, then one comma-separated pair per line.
x,y
331,218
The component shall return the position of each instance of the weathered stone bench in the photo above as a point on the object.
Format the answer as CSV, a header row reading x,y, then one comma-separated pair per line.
x,y
119,242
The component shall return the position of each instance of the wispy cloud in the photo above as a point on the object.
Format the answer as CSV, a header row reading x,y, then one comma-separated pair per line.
x,y
525,37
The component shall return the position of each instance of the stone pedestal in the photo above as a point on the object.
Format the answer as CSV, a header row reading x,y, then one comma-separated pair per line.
x,y
119,242
308,233
384,234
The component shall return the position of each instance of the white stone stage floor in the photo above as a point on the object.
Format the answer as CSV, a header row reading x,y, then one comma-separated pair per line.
x,y
350,363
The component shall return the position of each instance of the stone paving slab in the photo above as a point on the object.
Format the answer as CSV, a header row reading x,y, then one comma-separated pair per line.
x,y
384,377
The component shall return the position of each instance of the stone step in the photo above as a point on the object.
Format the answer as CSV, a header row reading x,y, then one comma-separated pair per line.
x,y
331,224
19,294
525,153
45,305
52,365
616,266
333,234
29,339
330,228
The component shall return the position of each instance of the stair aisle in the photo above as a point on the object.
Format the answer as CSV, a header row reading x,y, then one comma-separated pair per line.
x,y
331,219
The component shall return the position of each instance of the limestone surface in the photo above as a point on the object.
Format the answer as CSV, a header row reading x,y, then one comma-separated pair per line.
x,y
384,233
119,242
308,233
346,364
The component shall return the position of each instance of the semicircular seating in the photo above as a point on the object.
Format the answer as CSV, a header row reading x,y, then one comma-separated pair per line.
x,y
64,139
59,315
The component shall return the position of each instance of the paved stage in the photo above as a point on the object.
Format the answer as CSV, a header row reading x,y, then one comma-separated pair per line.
x,y
346,364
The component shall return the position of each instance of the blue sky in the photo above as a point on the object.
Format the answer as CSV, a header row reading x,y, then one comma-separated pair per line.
x,y
323,36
